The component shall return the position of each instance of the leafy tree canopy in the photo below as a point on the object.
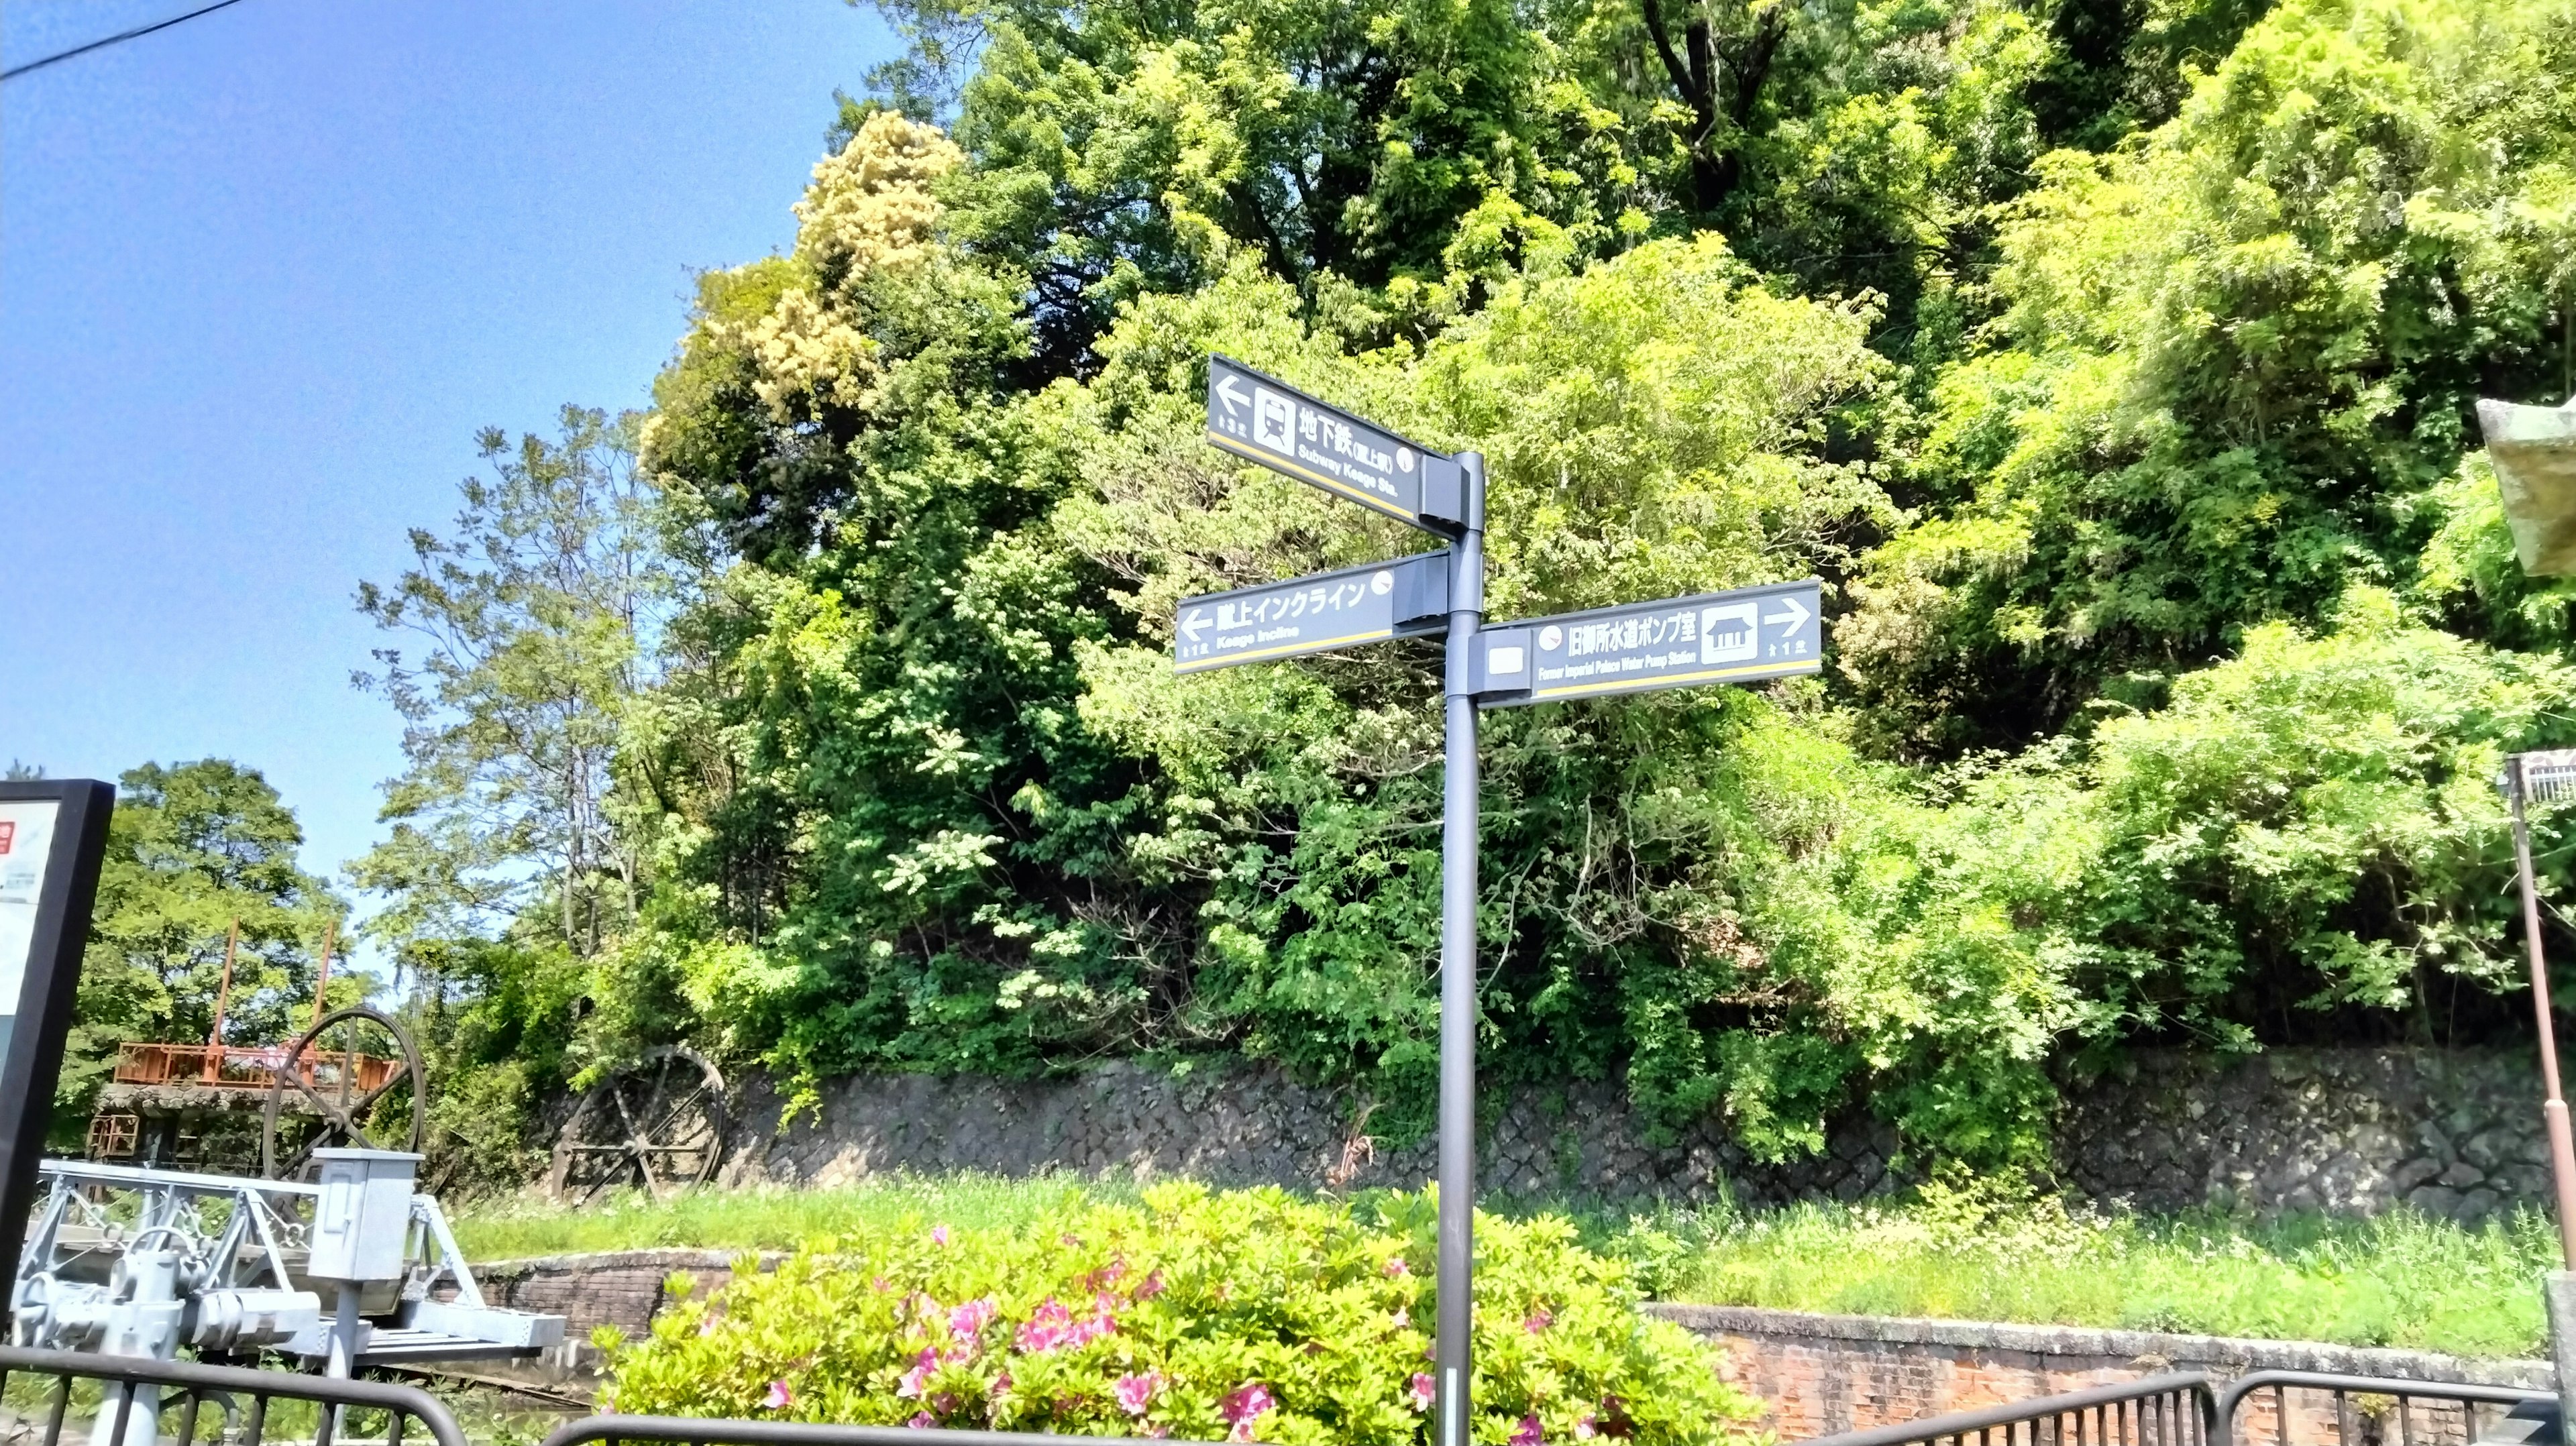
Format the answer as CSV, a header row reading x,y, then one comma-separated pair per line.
x,y
2110,363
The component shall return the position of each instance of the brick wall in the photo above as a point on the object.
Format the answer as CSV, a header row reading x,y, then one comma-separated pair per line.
x,y
1826,1373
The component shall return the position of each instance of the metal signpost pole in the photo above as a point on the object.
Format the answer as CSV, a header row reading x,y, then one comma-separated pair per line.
x,y
2553,1106
1458,822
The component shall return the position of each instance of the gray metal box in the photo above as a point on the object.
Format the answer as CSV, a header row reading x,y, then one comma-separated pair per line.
x,y
362,1218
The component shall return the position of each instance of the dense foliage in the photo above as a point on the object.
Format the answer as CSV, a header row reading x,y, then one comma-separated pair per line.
x,y
2110,363
1244,1316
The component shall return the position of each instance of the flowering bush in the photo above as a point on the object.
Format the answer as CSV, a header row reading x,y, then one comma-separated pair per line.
x,y
1238,1316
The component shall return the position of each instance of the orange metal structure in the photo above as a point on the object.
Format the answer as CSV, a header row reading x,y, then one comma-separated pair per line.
x,y
226,1066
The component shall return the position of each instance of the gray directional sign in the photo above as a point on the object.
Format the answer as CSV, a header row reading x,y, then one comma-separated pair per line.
x,y
1313,614
1742,636
1287,431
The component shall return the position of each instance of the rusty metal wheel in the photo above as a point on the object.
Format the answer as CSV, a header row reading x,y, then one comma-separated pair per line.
x,y
369,1092
658,1123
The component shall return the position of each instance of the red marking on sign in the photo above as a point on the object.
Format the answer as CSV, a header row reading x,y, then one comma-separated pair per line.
x,y
8,833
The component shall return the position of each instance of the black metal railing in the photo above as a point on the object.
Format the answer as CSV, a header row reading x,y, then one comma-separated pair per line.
x,y
2377,1410
2179,1409
711,1431
183,1403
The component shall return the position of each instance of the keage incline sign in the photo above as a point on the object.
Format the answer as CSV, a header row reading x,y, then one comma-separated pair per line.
x,y
1313,614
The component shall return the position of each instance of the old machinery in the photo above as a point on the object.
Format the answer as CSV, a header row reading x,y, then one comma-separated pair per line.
x,y
659,1124
134,1261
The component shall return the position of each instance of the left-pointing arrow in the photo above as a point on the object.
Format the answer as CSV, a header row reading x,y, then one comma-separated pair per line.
x,y
1796,614
1233,395
1195,624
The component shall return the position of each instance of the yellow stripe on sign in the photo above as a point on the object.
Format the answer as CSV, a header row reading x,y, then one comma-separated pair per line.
x,y
1268,458
1663,679
1284,649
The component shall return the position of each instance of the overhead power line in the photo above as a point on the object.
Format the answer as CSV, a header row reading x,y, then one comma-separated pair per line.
x,y
13,72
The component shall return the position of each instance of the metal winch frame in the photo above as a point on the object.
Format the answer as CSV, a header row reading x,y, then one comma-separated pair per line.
x,y
134,1261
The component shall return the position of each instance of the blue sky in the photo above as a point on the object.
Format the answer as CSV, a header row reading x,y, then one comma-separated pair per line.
x,y
263,274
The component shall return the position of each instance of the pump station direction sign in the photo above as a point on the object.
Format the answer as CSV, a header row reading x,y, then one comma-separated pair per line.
x,y
1265,420
1743,636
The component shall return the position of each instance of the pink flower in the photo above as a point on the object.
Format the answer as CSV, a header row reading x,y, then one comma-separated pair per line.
x,y
943,1402
1403,1317
939,1235
1395,1266
1583,1427
1528,1434
922,1421
880,1285
1243,1406
914,1381
779,1397
967,1321
1538,1321
1150,1287
1423,1389
1070,1240
1135,1393
1049,1327
1001,1383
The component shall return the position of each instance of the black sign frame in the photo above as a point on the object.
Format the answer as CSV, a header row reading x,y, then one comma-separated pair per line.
x,y
33,1062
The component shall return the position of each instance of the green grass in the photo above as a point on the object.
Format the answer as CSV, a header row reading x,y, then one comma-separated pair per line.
x,y
1980,1253
2398,1280
764,1218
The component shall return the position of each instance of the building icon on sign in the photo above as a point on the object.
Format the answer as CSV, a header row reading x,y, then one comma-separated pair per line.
x,y
1728,634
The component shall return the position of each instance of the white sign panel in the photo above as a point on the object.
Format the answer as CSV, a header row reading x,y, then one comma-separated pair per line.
x,y
26,842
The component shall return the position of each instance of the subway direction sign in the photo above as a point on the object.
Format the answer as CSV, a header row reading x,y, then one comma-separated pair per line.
x,y
1405,598
1289,432
1742,636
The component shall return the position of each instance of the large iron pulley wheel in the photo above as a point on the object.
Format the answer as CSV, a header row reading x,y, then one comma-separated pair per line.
x,y
658,1123
356,1078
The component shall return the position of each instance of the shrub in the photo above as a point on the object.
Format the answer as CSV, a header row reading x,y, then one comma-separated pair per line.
x,y
1248,1316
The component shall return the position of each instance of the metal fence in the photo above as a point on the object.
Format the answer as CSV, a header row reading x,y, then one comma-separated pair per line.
x,y
133,1401
2170,1410
2377,1411
2261,1408
693,1431
139,1401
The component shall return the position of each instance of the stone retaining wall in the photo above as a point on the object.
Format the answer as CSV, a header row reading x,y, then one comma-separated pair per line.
x,y
2458,1134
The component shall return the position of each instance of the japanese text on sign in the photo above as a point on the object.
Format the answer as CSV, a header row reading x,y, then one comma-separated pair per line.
x,y
1287,431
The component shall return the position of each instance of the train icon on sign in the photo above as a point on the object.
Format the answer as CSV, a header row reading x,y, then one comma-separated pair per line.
x,y
1274,421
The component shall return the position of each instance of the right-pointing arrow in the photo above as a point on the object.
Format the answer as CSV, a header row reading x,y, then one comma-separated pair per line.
x,y
1796,614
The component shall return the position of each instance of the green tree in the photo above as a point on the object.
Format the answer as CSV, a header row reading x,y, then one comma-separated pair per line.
x,y
535,621
2235,364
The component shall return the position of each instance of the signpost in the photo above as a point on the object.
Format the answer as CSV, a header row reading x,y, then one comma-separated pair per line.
x,y
1325,610
1272,423
1742,636
1730,637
